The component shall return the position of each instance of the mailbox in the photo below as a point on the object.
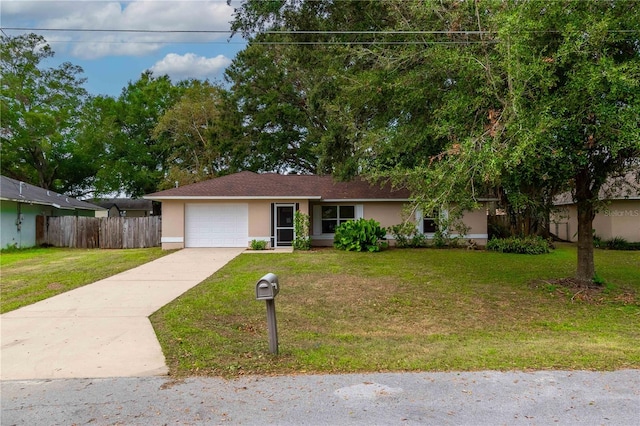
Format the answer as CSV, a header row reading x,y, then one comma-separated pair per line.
x,y
267,287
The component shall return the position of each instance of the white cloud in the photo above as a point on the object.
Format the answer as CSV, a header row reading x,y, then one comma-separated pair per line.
x,y
175,15
190,65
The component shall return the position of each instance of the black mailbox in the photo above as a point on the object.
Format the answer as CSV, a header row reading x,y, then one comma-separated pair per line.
x,y
267,287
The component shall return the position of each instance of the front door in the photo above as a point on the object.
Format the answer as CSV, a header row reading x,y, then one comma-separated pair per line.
x,y
284,224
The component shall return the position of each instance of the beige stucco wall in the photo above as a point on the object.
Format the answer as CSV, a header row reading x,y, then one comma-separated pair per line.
x,y
387,213
620,218
172,224
173,217
260,216
476,220
625,219
391,213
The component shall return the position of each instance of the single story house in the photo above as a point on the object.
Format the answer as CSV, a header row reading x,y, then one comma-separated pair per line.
x,y
620,216
233,210
125,207
21,202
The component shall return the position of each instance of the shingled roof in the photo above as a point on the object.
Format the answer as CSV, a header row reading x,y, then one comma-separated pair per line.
x,y
625,187
270,185
14,190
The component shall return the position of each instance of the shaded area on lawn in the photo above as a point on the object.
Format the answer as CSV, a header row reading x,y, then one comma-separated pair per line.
x,y
405,310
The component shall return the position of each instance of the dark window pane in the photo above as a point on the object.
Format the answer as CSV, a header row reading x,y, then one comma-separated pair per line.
x,y
329,226
285,236
347,212
285,216
329,212
429,226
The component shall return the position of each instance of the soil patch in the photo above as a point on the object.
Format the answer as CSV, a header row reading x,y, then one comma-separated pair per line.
x,y
585,291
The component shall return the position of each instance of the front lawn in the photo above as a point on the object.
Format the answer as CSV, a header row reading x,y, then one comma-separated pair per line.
x,y
407,310
31,275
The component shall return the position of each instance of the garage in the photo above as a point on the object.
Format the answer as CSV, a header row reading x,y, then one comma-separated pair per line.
x,y
216,225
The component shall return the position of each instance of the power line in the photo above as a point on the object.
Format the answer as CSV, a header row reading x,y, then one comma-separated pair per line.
x,y
295,32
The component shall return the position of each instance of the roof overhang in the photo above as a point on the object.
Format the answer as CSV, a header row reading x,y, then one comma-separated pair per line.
x,y
235,198
365,200
54,205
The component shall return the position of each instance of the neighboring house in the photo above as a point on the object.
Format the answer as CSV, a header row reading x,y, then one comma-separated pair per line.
x,y
126,207
233,210
21,202
620,216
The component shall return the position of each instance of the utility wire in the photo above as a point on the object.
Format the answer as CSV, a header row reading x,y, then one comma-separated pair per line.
x,y
293,32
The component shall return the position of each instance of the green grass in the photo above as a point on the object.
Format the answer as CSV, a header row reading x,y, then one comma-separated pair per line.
x,y
32,275
407,310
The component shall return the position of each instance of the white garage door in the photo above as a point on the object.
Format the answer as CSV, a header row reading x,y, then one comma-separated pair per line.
x,y
216,225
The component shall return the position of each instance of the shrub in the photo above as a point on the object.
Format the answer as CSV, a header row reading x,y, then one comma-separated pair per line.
x,y
521,245
258,245
406,235
301,222
359,235
619,243
597,241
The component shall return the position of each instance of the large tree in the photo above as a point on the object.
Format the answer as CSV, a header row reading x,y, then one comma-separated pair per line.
x,y
557,104
201,131
39,112
132,161
288,82
451,99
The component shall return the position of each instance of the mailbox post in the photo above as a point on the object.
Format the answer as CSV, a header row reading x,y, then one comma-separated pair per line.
x,y
266,289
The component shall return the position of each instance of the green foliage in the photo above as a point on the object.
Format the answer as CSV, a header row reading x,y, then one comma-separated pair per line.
x,y
359,235
520,245
598,280
258,245
301,223
406,235
39,108
200,132
616,243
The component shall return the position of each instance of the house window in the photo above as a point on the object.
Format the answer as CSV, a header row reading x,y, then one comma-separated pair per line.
x,y
332,216
429,224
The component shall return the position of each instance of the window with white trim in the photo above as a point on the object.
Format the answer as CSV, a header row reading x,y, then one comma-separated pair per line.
x,y
332,216
429,224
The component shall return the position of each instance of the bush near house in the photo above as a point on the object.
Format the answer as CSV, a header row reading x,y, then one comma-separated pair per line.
x,y
301,224
359,235
520,245
616,243
406,235
258,245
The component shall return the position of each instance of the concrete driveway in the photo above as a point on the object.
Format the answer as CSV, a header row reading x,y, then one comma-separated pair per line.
x,y
103,329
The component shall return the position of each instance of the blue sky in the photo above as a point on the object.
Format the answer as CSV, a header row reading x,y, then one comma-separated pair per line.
x,y
111,59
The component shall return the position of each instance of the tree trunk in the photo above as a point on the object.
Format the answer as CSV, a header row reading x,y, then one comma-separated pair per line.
x,y
586,212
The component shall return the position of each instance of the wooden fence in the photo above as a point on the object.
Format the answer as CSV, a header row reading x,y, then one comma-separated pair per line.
x,y
99,232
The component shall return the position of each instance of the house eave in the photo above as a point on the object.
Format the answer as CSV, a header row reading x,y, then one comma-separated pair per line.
x,y
241,197
364,200
48,204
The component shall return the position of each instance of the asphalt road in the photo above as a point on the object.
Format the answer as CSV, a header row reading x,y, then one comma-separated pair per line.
x,y
478,398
